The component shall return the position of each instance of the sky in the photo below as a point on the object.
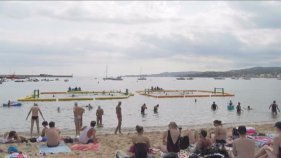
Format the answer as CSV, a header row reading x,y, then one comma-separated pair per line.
x,y
81,38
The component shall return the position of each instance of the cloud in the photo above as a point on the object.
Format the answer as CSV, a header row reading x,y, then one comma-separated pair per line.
x,y
76,37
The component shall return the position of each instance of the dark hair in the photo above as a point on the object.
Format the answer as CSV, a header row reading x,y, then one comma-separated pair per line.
x,y
12,134
52,124
119,103
218,122
278,125
242,130
139,129
44,123
203,133
93,123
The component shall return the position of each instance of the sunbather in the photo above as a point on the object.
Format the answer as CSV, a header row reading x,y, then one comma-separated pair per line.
x,y
171,139
273,150
204,144
53,135
12,137
220,132
141,144
243,147
88,134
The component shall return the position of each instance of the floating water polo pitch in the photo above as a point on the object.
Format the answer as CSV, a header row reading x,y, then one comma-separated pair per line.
x,y
217,92
75,96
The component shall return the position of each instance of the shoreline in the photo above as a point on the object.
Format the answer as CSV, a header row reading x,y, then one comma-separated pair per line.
x,y
151,129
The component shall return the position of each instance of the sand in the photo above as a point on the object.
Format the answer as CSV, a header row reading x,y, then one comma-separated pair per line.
x,y
110,142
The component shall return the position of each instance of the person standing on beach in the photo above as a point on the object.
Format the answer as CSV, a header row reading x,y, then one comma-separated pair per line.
x,y
78,118
274,107
35,117
143,107
119,117
99,114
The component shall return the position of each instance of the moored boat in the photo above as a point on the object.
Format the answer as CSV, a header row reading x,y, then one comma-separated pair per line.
x,y
12,104
180,78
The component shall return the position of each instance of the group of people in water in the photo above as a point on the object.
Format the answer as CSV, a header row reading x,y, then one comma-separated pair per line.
x,y
274,107
74,89
144,107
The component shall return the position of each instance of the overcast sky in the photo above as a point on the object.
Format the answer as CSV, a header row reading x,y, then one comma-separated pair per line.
x,y
80,38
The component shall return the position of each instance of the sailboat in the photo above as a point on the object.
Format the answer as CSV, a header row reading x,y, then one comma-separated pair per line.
x,y
142,78
119,78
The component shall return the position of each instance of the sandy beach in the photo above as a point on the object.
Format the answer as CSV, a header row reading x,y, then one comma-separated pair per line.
x,y
109,143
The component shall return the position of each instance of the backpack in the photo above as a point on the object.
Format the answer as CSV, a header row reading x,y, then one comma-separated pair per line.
x,y
184,142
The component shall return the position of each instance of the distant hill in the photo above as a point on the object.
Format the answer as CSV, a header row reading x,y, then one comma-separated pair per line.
x,y
268,72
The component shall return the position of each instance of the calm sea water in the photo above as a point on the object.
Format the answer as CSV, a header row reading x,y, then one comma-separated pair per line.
x,y
258,93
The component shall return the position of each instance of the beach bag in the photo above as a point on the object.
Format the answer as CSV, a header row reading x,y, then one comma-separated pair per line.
x,y
33,140
68,140
184,142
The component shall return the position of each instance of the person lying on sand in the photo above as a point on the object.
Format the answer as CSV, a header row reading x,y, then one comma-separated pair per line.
x,y
88,134
273,150
13,137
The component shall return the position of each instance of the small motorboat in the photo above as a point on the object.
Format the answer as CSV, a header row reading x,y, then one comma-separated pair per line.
x,y
180,78
12,104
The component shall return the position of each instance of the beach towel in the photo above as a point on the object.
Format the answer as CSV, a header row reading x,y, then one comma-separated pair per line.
x,y
261,140
120,154
15,155
62,148
86,147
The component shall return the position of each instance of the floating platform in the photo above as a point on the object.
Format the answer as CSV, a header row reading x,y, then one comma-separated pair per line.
x,y
75,96
184,93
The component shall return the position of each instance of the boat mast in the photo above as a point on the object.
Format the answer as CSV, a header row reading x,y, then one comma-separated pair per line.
x,y
106,71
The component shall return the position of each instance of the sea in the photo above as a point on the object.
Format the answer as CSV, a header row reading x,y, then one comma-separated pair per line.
x,y
257,93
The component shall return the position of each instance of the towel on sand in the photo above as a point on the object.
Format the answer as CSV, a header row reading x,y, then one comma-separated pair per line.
x,y
86,147
261,140
62,148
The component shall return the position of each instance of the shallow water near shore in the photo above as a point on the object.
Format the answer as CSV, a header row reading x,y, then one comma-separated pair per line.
x,y
258,93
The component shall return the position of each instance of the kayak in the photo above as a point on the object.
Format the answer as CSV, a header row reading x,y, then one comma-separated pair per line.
x,y
230,107
13,104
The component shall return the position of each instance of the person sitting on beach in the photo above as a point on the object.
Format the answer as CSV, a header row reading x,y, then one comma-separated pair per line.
x,y
78,118
12,137
204,144
52,135
88,134
220,132
45,127
155,109
99,114
274,107
141,144
171,139
214,106
273,150
35,110
243,147
143,107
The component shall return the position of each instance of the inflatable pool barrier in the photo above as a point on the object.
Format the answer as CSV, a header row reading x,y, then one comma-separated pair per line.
x,y
75,96
184,93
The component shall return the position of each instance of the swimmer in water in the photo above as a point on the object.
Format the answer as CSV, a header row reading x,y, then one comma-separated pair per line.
x,y
214,106
238,108
274,107
143,108
155,109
